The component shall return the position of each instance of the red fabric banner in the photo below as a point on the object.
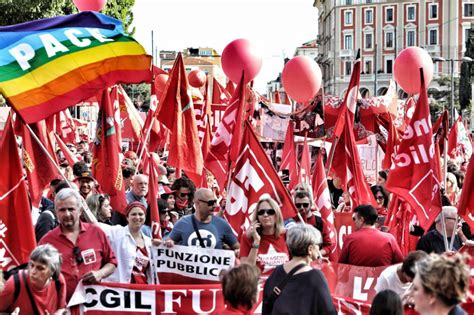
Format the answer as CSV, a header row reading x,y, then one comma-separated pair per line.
x,y
17,237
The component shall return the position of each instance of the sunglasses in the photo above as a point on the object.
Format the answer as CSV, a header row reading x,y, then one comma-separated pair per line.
x,y
184,195
300,205
76,251
379,198
267,211
210,203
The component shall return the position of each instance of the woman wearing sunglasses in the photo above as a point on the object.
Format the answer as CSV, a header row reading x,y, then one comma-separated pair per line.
x,y
264,243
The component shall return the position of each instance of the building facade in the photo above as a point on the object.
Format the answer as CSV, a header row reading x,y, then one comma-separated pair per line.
x,y
381,29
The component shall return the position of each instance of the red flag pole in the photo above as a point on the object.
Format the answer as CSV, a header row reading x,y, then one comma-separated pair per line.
x,y
87,212
331,155
147,136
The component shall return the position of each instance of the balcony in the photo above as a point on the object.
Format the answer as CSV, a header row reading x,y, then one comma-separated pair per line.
x,y
432,49
346,53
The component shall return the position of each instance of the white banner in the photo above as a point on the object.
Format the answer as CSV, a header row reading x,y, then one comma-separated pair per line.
x,y
193,262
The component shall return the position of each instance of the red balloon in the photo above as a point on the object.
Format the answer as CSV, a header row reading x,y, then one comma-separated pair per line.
x,y
301,78
90,5
406,69
197,78
160,82
241,55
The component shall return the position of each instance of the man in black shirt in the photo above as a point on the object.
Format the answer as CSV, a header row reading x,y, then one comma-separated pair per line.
x,y
433,241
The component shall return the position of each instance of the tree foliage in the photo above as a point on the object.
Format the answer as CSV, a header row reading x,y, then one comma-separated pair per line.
x,y
19,11
467,72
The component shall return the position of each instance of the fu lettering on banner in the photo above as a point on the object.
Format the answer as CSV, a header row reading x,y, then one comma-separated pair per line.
x,y
187,264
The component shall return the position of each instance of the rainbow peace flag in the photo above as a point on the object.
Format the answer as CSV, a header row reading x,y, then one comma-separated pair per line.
x,y
51,64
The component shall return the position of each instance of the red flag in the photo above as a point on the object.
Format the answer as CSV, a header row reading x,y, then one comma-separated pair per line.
x,y
453,140
392,142
230,87
288,157
305,165
219,94
217,160
106,165
346,163
68,155
466,201
413,176
322,199
39,168
156,132
440,130
16,228
129,114
177,114
240,118
398,221
276,97
153,198
254,176
287,100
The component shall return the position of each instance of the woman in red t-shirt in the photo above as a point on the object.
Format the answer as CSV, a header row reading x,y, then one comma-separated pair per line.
x,y
264,243
42,287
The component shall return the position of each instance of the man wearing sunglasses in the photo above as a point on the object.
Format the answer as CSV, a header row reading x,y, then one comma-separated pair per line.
x,y
304,205
84,247
433,241
202,228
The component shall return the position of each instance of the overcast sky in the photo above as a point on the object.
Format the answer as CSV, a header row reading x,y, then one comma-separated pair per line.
x,y
278,26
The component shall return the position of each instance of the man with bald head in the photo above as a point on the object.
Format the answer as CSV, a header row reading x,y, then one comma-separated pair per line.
x,y
139,189
202,228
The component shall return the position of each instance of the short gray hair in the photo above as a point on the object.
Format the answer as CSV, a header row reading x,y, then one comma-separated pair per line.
x,y
67,193
47,254
446,211
300,237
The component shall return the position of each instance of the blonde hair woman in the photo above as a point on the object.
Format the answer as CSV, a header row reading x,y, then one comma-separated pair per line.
x,y
264,243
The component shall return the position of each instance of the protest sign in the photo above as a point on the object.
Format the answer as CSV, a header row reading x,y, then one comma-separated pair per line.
x,y
183,264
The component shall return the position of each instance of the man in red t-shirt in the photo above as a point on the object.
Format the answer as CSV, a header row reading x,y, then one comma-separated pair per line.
x,y
368,246
304,205
85,249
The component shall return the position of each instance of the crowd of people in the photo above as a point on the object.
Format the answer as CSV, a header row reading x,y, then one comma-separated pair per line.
x,y
116,246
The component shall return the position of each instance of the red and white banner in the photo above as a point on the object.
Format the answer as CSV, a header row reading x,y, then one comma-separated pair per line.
x,y
344,226
185,264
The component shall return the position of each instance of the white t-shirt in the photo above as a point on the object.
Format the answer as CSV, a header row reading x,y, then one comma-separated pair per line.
x,y
388,280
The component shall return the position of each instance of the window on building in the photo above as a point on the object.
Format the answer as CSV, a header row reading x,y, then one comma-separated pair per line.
x,y
411,13
368,1
369,16
348,41
348,2
368,41
348,67
348,17
433,37
433,11
389,15
388,65
411,38
368,67
468,9
389,39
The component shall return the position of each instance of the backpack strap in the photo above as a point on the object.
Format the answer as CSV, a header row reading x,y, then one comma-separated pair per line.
x,y
30,295
17,286
201,242
57,284
277,289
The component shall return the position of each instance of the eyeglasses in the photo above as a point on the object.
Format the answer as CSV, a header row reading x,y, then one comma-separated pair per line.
x,y
300,205
210,203
379,198
267,211
449,218
184,195
76,251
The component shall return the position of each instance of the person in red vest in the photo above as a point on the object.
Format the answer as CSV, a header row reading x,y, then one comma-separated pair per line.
x,y
368,246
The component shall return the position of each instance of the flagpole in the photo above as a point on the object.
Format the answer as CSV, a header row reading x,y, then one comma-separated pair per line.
x,y
89,216
331,155
144,143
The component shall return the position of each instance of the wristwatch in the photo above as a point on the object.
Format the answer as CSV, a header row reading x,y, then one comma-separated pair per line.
x,y
255,245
